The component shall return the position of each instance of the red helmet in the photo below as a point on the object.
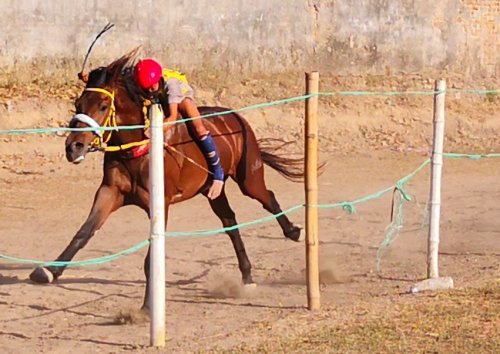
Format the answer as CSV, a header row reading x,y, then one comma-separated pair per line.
x,y
147,73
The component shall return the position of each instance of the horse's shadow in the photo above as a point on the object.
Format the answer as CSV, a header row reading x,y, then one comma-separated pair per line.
x,y
11,280
131,283
211,300
94,280
10,266
68,309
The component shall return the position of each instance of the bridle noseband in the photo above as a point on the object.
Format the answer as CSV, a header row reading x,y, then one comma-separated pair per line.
x,y
102,136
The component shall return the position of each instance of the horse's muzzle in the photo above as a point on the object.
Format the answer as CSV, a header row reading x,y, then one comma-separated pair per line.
x,y
75,152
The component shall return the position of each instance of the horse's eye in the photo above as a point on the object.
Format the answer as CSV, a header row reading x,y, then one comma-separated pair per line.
x,y
103,107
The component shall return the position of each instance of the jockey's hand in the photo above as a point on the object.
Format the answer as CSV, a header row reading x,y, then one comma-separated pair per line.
x,y
215,189
166,132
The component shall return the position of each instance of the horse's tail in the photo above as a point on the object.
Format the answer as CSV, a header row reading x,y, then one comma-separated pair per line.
x,y
291,168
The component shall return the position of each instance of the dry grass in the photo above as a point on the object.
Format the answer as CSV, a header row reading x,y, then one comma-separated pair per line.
x,y
459,321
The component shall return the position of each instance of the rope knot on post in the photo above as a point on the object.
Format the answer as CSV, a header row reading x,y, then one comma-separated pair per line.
x,y
348,207
400,188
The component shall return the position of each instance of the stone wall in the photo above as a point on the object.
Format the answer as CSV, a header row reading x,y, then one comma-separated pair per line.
x,y
348,36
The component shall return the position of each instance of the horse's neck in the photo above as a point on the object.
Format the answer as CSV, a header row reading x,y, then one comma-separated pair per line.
x,y
128,112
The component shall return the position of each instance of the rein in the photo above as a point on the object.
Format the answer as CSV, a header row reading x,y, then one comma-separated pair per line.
x,y
100,141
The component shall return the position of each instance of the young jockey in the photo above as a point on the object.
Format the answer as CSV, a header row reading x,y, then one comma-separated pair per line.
x,y
173,87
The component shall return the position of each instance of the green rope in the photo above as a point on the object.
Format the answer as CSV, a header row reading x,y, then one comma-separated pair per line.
x,y
142,244
131,127
63,129
348,206
397,218
400,196
476,91
248,108
397,221
253,107
87,262
381,93
453,155
234,227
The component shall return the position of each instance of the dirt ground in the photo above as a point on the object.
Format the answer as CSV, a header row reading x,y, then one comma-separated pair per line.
x,y
369,144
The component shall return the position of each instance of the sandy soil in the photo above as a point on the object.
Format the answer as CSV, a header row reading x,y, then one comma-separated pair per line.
x,y
368,148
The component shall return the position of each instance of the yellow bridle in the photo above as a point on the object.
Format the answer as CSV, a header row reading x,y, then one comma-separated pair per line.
x,y
110,121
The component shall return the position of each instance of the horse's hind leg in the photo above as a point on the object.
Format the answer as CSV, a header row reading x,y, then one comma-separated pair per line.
x,y
221,208
254,186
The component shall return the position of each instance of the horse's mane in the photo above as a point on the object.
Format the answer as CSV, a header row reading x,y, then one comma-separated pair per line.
x,y
118,74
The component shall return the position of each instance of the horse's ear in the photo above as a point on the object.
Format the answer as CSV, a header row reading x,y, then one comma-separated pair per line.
x,y
83,76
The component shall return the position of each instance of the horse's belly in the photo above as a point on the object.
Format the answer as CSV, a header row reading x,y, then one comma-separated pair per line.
x,y
192,177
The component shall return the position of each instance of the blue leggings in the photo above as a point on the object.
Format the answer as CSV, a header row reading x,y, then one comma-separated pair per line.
x,y
210,151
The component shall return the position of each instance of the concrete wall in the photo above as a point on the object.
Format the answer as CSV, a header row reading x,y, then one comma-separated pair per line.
x,y
342,36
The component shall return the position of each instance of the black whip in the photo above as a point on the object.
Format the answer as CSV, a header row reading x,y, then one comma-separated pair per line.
x,y
104,30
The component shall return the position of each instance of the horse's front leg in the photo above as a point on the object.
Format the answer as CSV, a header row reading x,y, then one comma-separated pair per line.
x,y
107,200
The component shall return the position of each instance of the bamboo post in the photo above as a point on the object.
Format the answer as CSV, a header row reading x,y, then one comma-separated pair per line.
x,y
311,190
436,174
433,281
157,220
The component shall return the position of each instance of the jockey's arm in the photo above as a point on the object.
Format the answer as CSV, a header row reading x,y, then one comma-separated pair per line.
x,y
174,113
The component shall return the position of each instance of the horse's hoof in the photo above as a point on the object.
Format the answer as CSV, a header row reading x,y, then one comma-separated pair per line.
x,y
41,275
249,289
293,233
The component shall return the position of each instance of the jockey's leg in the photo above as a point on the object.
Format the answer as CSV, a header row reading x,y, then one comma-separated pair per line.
x,y
207,146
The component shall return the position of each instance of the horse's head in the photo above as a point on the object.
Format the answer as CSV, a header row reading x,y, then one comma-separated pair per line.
x,y
103,105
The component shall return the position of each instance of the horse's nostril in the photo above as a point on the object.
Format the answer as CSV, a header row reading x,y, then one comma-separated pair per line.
x,y
79,146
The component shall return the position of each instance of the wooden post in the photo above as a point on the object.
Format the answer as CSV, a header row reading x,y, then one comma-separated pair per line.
x,y
157,219
311,190
436,173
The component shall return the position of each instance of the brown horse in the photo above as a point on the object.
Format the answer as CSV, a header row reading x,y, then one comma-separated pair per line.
x,y
110,99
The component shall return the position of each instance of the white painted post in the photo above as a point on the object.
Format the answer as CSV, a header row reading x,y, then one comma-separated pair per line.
x,y
433,281
157,219
436,174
